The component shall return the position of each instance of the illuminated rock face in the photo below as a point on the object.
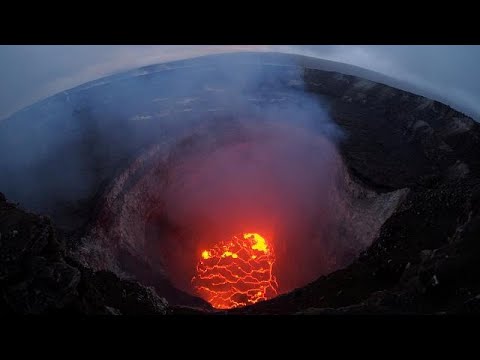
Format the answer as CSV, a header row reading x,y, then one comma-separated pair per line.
x,y
237,273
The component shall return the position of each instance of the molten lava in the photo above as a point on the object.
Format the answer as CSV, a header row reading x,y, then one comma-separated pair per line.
x,y
236,273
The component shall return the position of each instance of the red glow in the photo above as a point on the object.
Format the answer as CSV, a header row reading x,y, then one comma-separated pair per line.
x,y
236,273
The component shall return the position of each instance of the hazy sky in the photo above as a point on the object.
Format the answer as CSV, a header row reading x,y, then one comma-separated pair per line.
x,y
31,73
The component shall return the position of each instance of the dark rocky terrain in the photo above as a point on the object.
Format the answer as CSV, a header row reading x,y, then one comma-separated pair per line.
x,y
423,260
37,276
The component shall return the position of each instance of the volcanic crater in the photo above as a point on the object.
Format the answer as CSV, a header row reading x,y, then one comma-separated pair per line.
x,y
260,183
281,182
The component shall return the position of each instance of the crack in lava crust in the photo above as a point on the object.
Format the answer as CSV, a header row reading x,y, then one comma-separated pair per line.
x,y
236,273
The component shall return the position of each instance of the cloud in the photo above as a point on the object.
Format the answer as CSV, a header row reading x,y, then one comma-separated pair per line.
x,y
447,73
30,73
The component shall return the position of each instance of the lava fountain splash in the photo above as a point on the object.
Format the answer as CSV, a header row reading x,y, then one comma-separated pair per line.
x,y
236,273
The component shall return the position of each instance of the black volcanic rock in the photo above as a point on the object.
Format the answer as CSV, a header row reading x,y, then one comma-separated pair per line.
x,y
37,277
102,292
431,267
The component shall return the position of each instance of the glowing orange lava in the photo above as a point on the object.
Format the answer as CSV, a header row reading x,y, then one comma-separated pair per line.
x,y
237,272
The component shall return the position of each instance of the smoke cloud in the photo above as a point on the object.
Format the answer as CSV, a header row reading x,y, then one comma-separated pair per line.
x,y
266,163
245,149
447,73
277,181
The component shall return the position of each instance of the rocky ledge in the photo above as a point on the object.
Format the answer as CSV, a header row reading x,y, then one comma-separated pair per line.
x,y
37,276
